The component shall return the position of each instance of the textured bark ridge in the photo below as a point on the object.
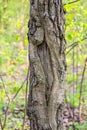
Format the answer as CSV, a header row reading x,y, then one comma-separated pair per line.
x,y
47,65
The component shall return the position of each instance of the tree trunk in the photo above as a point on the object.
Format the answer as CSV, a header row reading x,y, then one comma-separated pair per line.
x,y
47,65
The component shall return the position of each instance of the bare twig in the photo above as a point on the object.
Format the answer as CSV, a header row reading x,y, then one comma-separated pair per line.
x,y
68,106
72,2
81,89
10,101
6,113
74,45
1,124
26,95
71,48
4,87
77,67
5,118
73,57
19,90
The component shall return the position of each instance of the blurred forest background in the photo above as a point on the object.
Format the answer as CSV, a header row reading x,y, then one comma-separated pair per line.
x,y
14,16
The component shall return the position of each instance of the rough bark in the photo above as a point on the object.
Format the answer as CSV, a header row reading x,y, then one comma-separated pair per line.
x,y
47,65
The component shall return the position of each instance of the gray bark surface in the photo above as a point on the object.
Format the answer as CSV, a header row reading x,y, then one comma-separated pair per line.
x,y
47,65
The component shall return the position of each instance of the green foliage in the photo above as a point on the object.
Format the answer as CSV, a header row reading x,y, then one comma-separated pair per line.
x,y
80,126
14,16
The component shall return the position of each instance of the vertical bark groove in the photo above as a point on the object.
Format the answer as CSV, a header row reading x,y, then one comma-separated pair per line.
x,y
47,65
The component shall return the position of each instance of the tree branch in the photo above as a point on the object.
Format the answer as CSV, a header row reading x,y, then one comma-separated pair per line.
x,y
74,44
1,124
4,88
72,2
